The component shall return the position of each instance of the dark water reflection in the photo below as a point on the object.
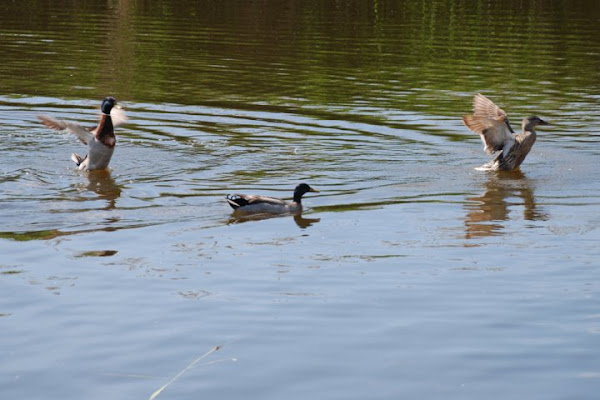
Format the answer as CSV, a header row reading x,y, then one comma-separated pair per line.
x,y
411,275
300,220
103,184
504,192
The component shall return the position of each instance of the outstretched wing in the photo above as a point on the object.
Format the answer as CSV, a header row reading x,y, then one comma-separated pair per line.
x,y
60,125
484,107
118,117
494,134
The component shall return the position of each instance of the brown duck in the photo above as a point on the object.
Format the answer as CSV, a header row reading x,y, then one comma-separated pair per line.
x,y
491,122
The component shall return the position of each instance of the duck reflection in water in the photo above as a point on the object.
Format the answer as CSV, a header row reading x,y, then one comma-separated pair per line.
x,y
102,183
487,212
303,223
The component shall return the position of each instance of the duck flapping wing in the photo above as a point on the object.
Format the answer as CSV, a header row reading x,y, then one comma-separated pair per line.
x,y
484,107
58,124
491,122
118,117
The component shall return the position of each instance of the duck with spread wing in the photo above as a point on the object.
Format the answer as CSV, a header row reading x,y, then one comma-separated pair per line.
x,y
491,122
100,140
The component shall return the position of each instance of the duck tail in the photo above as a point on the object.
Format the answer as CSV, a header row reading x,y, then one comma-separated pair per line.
x,y
78,159
236,201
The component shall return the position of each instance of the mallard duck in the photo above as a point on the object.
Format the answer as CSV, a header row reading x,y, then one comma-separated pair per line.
x,y
101,140
248,203
491,122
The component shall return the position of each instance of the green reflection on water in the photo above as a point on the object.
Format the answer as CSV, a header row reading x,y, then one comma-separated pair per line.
x,y
402,54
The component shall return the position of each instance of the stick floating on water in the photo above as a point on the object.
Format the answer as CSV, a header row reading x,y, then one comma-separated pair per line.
x,y
183,371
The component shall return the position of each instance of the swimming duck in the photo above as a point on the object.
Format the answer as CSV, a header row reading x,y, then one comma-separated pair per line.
x,y
249,203
491,122
101,140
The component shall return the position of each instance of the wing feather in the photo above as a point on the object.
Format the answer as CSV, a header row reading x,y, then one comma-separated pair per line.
x,y
118,116
484,107
249,199
60,125
494,134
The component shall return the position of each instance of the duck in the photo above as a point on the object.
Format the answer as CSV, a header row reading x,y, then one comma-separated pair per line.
x,y
101,140
248,203
491,123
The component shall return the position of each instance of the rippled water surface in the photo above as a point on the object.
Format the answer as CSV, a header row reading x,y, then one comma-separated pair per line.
x,y
410,275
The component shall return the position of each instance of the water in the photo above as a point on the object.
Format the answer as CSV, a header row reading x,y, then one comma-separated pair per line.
x,y
411,275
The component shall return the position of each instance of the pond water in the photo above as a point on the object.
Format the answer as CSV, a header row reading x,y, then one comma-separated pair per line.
x,y
410,275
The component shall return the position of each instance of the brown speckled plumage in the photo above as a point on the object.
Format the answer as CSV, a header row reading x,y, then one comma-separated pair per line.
x,y
491,122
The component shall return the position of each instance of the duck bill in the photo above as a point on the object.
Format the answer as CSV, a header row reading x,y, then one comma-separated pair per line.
x,y
314,190
543,122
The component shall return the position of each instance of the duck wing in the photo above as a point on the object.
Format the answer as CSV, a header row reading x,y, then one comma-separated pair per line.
x,y
494,134
118,117
484,107
243,200
491,122
60,125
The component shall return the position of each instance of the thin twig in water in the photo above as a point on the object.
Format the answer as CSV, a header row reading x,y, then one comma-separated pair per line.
x,y
183,371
